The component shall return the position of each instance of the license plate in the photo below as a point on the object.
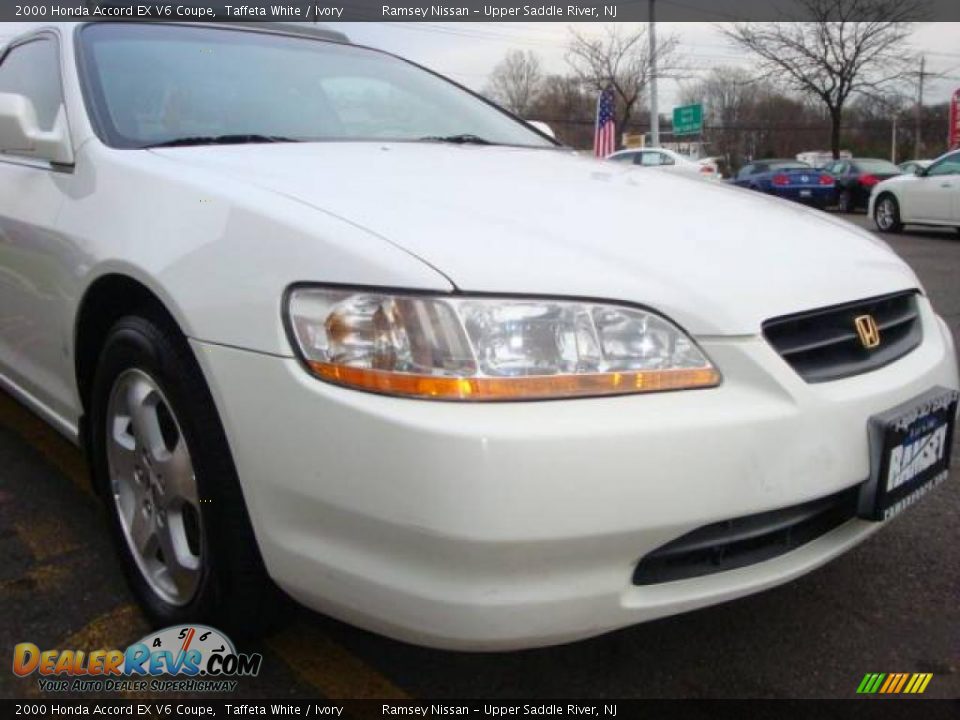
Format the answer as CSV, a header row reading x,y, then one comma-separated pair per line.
x,y
910,453
805,193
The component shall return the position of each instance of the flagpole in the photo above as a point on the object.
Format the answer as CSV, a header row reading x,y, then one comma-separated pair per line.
x,y
596,126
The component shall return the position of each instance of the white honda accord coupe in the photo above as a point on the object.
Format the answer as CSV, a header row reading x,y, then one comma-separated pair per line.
x,y
323,318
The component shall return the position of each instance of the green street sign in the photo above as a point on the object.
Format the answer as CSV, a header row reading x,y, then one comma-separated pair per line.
x,y
688,120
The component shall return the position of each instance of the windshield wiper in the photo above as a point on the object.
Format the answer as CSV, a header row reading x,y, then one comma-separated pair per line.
x,y
219,140
461,139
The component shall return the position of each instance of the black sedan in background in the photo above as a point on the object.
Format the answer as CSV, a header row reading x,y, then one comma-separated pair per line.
x,y
855,180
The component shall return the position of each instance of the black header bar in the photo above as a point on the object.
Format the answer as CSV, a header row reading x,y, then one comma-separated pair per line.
x,y
148,709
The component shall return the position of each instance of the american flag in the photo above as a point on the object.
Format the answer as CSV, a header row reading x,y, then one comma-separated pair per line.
x,y
605,135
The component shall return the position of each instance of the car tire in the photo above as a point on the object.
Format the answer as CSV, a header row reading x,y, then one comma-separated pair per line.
x,y
845,202
886,214
188,551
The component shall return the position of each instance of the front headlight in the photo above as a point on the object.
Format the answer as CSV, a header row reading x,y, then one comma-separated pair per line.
x,y
478,348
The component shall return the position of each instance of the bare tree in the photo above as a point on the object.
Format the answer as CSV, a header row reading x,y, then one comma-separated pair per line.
x,y
746,117
568,107
850,47
515,81
620,59
728,94
730,97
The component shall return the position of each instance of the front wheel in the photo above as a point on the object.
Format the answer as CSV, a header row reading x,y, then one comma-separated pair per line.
x,y
162,463
886,214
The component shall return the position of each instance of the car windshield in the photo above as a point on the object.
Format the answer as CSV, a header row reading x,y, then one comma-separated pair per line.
x,y
883,167
171,84
788,165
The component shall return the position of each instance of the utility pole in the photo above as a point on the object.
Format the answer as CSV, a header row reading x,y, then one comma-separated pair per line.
x,y
918,120
893,141
654,110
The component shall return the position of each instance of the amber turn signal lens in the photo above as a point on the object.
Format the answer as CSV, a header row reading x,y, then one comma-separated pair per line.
x,y
516,388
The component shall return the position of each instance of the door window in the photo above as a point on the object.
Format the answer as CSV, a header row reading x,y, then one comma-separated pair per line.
x,y
652,158
950,165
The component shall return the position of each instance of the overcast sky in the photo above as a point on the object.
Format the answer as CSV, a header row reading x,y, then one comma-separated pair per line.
x,y
468,51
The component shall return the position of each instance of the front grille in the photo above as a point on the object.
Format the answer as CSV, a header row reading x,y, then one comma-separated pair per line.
x,y
824,345
746,540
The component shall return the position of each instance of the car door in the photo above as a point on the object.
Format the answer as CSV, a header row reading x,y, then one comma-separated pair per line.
x,y
935,196
34,341
840,171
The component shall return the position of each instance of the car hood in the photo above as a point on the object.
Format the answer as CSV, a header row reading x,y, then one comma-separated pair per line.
x,y
717,260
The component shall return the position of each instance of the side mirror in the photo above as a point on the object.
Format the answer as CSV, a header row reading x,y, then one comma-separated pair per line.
x,y
919,171
542,127
20,133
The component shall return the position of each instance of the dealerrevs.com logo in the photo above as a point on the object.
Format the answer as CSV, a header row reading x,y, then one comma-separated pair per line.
x,y
202,659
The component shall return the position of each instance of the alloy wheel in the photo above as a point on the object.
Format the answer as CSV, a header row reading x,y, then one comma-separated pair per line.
x,y
154,487
886,214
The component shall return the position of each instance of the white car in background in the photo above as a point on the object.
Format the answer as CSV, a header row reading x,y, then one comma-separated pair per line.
x,y
668,160
930,196
322,317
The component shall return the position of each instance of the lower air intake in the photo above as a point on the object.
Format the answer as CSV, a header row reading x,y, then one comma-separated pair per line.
x,y
746,540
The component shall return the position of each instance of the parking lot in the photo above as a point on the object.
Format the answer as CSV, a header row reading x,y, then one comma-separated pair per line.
x,y
890,605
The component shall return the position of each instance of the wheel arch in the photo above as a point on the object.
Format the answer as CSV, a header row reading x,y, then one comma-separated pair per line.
x,y
884,193
107,298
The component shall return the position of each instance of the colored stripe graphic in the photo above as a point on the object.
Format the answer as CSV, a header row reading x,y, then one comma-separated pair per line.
x,y
903,680
894,683
891,680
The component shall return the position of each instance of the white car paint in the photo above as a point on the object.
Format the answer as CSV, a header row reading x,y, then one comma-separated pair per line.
x,y
928,199
484,526
515,238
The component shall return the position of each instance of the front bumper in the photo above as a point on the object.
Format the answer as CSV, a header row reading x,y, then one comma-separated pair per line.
x,y
497,526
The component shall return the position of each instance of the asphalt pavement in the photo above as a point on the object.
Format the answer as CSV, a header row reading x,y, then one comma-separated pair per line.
x,y
890,605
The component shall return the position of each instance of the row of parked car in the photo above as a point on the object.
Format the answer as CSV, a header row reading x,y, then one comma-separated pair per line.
x,y
923,192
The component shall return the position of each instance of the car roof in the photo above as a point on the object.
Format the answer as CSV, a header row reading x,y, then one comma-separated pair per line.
x,y
317,31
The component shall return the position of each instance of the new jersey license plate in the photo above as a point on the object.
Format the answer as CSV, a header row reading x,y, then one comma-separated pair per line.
x,y
910,448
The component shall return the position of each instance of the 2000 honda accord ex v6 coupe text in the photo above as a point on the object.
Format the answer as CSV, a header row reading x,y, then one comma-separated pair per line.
x,y
321,316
